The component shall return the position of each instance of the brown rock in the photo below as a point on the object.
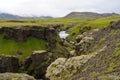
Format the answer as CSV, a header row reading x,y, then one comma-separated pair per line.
x,y
21,34
37,63
9,64
38,57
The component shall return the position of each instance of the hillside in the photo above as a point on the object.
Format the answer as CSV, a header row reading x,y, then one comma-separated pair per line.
x,y
96,57
90,24
88,15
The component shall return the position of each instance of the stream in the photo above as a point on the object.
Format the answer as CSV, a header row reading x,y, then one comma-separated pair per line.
x,y
63,34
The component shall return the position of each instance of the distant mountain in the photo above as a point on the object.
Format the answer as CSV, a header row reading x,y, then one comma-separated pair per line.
x,y
88,15
11,16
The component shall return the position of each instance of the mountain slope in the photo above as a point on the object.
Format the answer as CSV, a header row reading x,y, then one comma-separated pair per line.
x,y
88,15
9,16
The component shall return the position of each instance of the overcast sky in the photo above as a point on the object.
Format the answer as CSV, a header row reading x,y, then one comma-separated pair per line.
x,y
57,8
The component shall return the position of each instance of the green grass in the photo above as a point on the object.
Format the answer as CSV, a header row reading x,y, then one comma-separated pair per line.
x,y
93,23
10,47
65,21
102,22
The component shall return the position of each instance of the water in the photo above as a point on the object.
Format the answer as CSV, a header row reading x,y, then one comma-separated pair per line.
x,y
63,34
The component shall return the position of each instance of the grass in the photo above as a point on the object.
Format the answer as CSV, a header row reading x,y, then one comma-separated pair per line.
x,y
65,21
102,22
11,47
93,23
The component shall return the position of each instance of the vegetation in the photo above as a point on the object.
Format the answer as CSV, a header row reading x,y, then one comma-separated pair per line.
x,y
22,50
74,27
92,23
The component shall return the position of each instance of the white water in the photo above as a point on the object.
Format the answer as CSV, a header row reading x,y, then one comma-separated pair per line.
x,y
63,34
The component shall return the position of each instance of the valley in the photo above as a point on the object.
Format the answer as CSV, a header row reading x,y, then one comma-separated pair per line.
x,y
66,48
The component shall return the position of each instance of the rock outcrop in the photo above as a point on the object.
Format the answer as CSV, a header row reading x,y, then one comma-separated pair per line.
x,y
115,25
83,42
9,64
61,67
15,76
21,34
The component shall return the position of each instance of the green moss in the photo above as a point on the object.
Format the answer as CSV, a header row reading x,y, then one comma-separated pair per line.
x,y
81,79
103,78
100,42
74,71
85,69
53,65
93,74
110,69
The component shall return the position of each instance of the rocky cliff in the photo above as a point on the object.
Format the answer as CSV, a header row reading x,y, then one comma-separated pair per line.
x,y
99,61
21,33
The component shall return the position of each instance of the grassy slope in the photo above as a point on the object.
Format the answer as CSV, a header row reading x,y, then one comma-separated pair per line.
x,y
93,23
102,22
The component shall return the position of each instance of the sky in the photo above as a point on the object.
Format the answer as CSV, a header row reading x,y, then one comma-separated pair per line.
x,y
57,8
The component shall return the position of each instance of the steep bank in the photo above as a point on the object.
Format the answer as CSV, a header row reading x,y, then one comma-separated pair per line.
x,y
100,61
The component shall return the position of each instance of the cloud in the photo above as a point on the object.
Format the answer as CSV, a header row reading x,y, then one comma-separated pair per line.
x,y
57,7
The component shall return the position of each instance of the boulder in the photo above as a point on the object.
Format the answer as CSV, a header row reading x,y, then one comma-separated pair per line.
x,y
64,69
15,76
9,64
